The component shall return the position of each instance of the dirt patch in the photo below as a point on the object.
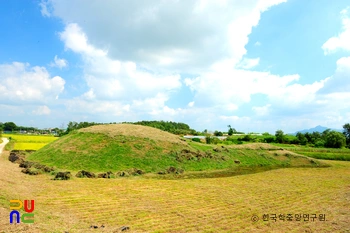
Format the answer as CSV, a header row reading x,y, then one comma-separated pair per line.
x,y
63,176
130,172
107,175
172,170
82,174
187,154
35,165
30,171
16,157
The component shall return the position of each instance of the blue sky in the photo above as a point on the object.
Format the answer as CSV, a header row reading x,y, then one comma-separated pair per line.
x,y
257,65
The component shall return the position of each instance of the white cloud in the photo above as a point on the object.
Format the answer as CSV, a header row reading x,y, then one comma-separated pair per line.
x,y
226,85
257,43
59,62
44,8
261,111
110,108
173,35
21,83
42,110
248,63
341,41
191,104
339,82
114,79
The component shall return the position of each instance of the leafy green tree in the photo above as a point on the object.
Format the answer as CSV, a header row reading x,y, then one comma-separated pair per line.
x,y
325,133
218,133
319,143
280,137
247,138
346,133
335,139
9,126
231,130
301,138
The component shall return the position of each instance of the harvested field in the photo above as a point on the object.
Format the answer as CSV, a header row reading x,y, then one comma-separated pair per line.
x,y
192,205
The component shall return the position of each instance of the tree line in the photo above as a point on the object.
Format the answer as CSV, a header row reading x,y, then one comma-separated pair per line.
x,y
328,138
13,128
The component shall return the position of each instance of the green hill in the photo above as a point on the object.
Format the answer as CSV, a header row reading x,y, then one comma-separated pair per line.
x,y
123,146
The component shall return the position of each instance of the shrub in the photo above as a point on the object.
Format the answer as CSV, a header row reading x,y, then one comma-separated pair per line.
x,y
196,139
208,139
269,139
247,138
319,143
335,140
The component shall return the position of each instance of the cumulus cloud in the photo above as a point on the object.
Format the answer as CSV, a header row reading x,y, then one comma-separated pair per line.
x,y
261,111
339,82
341,41
176,35
114,79
59,62
110,108
248,63
21,83
42,110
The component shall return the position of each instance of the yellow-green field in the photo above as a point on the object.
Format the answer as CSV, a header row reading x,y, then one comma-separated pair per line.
x,y
28,142
194,205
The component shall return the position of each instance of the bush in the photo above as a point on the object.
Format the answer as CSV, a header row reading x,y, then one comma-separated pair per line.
x,y
196,139
319,143
269,139
247,138
295,141
208,139
335,139
212,140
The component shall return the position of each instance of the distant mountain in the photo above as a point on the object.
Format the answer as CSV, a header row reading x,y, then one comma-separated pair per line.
x,y
318,128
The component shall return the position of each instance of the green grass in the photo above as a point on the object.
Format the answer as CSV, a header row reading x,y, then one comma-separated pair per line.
x,y
28,142
99,152
319,153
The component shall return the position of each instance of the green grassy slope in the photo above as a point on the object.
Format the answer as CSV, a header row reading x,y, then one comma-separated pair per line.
x,y
120,147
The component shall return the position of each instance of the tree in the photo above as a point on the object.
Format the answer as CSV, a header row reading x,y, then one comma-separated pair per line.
x,y
231,130
280,137
218,133
346,133
335,139
10,126
302,139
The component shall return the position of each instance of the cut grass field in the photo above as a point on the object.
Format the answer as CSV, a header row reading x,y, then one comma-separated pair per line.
x,y
28,142
185,205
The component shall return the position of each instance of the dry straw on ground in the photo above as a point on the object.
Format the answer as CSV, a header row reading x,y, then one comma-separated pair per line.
x,y
199,205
